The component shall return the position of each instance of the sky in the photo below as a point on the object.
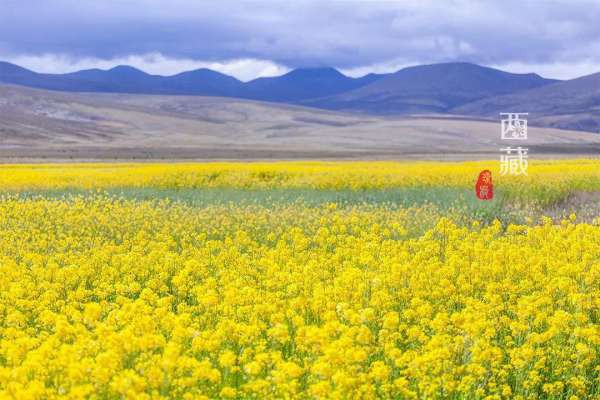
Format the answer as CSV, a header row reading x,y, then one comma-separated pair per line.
x,y
249,39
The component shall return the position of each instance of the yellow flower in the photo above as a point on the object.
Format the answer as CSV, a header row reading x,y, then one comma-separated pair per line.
x,y
228,392
253,368
227,359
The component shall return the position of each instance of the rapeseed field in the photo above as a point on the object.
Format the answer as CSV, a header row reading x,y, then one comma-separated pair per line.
x,y
306,280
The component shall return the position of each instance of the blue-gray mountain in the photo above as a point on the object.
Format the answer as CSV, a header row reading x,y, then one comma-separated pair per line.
x,y
572,104
458,88
427,88
430,88
302,84
297,85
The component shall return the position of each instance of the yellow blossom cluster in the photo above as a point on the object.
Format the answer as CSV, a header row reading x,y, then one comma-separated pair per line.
x,y
109,298
545,175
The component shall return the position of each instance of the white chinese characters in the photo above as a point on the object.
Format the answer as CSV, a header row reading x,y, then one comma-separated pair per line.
x,y
513,126
514,161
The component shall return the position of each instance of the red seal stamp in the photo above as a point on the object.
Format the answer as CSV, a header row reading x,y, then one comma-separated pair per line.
x,y
484,189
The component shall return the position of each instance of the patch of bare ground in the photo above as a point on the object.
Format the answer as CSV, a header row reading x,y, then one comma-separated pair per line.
x,y
585,205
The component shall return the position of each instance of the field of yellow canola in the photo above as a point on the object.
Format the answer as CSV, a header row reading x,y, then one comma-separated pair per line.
x,y
111,297
579,174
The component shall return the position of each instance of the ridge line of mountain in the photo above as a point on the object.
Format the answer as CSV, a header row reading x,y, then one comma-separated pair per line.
x,y
294,86
457,87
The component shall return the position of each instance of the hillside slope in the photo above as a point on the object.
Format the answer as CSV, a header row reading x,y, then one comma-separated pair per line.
x,y
36,124
572,104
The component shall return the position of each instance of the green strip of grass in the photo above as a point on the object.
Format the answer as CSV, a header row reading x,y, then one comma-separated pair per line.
x,y
444,198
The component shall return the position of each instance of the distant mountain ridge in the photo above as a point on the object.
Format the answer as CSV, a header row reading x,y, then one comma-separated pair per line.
x,y
320,87
304,83
430,88
447,88
296,85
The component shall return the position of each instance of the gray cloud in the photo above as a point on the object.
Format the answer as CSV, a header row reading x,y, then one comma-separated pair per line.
x,y
346,34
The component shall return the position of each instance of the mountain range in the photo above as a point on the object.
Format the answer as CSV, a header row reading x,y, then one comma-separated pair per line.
x,y
449,88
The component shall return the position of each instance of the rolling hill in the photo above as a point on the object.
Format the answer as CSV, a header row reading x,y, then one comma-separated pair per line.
x,y
39,124
572,104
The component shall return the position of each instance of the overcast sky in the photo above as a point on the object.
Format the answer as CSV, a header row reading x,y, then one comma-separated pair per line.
x,y
557,39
